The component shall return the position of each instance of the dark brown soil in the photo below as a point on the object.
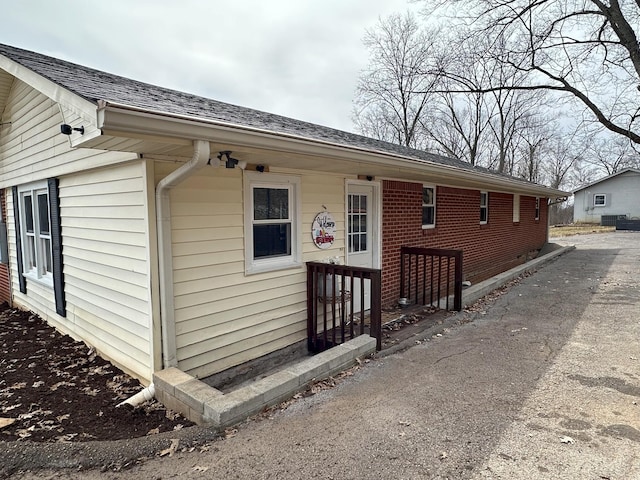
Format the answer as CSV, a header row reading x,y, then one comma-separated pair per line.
x,y
55,389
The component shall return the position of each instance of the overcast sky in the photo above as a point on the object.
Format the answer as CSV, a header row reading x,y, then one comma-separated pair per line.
x,y
298,58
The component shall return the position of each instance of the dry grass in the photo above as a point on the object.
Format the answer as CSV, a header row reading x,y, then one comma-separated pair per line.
x,y
577,229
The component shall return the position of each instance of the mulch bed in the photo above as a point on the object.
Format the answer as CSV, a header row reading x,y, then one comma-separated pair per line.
x,y
54,389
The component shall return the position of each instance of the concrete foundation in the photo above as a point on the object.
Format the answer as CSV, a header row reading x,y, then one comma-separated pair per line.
x,y
206,405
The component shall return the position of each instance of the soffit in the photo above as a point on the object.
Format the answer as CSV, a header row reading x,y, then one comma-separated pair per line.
x,y
283,155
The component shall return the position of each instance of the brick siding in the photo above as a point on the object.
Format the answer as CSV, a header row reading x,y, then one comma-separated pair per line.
x,y
488,249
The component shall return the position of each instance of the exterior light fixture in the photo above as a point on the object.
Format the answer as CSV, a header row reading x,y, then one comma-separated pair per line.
x,y
68,130
231,162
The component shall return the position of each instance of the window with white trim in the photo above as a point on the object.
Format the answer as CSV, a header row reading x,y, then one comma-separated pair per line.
x,y
37,259
272,222
484,207
537,217
428,206
600,200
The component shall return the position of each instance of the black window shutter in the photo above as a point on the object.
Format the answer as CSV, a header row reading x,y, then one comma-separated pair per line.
x,y
16,215
56,247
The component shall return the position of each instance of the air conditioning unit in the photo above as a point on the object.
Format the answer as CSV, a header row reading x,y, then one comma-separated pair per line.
x,y
610,220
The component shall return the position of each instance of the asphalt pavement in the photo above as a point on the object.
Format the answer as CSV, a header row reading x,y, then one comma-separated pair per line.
x,y
541,382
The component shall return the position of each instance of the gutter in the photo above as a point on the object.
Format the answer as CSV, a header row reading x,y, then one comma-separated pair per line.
x,y
116,119
201,151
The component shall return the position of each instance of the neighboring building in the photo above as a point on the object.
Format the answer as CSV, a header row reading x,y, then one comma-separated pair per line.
x,y
128,226
612,196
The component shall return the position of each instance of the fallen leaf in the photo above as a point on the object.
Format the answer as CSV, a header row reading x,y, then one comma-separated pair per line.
x,y
567,440
92,392
5,422
172,448
171,415
198,468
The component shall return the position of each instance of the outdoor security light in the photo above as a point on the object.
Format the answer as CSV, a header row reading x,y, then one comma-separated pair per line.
x,y
68,130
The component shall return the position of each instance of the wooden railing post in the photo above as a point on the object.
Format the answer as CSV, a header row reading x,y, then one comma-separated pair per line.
x,y
376,308
436,277
339,297
311,309
457,299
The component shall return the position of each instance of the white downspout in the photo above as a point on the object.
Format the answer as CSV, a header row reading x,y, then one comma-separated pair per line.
x,y
139,398
201,150
199,159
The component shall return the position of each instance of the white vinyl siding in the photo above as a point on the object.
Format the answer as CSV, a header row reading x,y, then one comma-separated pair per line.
x,y
32,146
106,266
107,263
223,316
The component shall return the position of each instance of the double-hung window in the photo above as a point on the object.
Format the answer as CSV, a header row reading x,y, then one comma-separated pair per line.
x,y
484,207
428,207
36,209
36,232
599,200
272,222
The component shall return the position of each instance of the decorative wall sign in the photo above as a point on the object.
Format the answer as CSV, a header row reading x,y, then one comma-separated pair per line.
x,y
323,230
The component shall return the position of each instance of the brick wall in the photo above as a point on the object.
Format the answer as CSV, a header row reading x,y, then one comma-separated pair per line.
x,y
488,249
5,285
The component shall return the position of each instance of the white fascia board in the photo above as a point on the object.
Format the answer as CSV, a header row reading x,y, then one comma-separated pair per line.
x,y
604,179
119,119
84,108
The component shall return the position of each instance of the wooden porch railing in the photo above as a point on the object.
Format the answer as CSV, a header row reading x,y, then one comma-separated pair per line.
x,y
331,313
426,274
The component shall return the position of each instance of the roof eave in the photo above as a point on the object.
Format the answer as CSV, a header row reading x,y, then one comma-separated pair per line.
x,y
120,120
608,177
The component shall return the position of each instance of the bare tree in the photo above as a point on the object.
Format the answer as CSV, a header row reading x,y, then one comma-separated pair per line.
x,y
393,91
457,125
510,109
587,49
610,154
562,155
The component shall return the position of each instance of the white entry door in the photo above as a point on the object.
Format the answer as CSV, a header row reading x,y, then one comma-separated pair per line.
x,y
362,244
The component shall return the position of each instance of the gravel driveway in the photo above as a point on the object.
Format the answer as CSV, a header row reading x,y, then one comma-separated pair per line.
x,y
543,383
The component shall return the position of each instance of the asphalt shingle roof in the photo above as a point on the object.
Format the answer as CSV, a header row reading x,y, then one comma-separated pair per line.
x,y
94,85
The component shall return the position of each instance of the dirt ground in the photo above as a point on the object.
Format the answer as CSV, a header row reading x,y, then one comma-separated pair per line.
x,y
54,389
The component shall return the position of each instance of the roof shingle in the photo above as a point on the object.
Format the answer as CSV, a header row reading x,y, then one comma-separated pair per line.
x,y
95,85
